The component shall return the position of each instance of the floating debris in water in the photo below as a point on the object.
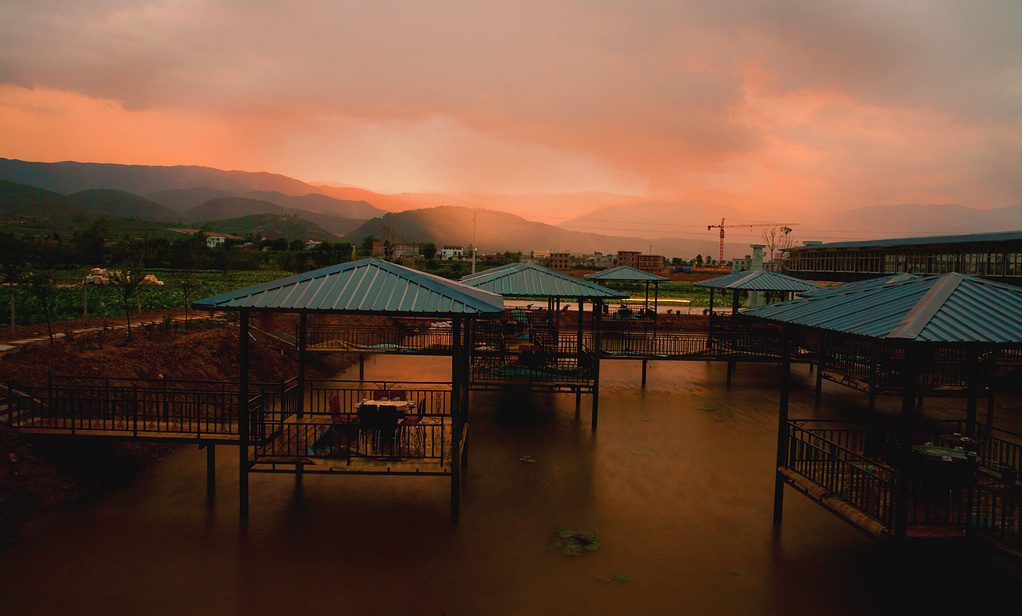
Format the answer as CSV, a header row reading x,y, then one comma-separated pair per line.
x,y
647,419
527,459
575,542
644,452
706,408
621,577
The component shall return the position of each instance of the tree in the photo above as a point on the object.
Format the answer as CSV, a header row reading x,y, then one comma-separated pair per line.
x,y
128,282
367,245
43,285
428,251
13,267
778,238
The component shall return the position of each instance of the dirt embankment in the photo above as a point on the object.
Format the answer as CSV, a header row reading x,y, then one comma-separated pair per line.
x,y
50,471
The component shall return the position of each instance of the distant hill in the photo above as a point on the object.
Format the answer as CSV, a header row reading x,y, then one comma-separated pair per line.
x,y
665,219
69,177
222,208
912,220
30,210
111,202
324,204
273,226
499,232
184,199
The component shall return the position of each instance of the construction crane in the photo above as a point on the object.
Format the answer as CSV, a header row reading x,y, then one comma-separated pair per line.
x,y
721,227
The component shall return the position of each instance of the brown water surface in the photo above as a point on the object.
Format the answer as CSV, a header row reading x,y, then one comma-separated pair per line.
x,y
677,481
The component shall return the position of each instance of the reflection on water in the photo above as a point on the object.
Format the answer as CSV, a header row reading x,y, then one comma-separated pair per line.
x,y
677,481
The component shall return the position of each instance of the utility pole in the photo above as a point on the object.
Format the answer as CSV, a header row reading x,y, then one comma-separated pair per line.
x,y
474,214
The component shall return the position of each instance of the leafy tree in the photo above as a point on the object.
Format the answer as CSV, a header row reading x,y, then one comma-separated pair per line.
x,y
43,285
127,281
367,245
428,251
13,266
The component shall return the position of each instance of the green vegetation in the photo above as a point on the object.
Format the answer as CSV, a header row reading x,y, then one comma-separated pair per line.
x,y
70,299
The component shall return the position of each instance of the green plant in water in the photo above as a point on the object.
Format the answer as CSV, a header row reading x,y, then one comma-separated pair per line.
x,y
574,542
527,459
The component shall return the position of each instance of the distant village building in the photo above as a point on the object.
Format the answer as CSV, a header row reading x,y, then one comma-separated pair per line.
x,y
215,239
651,264
602,261
628,257
452,253
310,244
405,251
560,260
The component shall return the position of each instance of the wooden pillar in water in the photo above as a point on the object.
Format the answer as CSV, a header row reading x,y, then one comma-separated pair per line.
x,y
243,360
210,471
782,427
656,303
974,376
597,351
361,366
644,372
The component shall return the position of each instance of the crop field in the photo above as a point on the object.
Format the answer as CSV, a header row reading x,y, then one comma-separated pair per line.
x,y
72,299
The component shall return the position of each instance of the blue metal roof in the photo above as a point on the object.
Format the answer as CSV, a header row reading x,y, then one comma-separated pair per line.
x,y
855,287
759,280
531,280
364,286
1005,236
626,273
945,308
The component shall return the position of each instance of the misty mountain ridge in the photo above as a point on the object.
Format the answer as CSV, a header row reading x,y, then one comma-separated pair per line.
x,y
497,231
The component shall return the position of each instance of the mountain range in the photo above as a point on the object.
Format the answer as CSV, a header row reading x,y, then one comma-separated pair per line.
x,y
587,222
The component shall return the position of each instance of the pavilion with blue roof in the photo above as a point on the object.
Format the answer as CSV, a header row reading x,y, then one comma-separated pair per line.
x,y
912,336
428,441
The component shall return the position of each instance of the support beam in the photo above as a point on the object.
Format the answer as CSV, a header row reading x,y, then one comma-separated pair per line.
x,y
910,372
243,359
821,363
782,427
302,347
597,352
457,375
644,373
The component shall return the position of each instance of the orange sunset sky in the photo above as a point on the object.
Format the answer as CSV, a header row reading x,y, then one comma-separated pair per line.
x,y
795,104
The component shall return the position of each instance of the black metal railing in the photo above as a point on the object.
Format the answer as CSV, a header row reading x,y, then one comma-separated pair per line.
x,y
863,482
330,427
144,407
380,339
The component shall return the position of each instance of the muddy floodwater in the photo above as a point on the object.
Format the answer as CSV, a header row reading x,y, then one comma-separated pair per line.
x,y
677,482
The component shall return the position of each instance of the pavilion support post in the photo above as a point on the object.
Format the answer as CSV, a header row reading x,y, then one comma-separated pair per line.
x,y
874,363
730,371
991,381
210,472
243,359
644,372
975,374
735,295
656,303
782,428
711,309
361,366
821,363
597,352
302,346
910,373
456,418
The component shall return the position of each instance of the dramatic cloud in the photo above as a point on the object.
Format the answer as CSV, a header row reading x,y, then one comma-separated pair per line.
x,y
796,103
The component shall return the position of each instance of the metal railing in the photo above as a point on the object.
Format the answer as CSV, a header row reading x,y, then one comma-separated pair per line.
x,y
200,410
330,427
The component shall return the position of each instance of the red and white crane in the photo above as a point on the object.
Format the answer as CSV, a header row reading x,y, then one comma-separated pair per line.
x,y
722,225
